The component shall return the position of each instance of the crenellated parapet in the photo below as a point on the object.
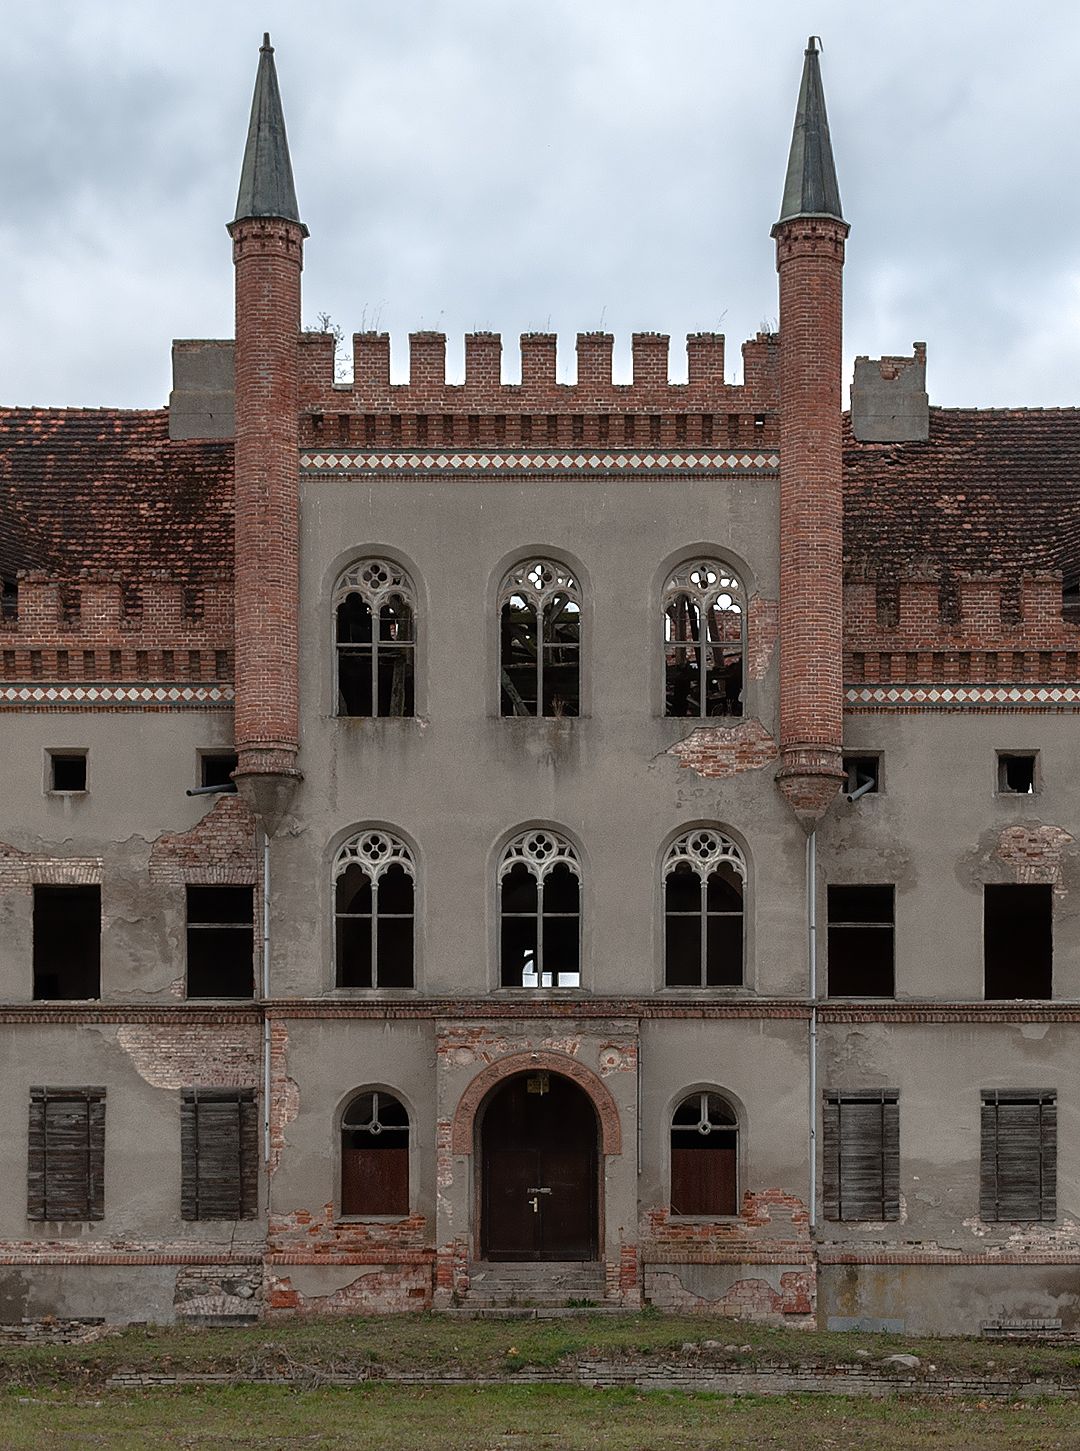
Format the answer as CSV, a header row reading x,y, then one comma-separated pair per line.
x,y
427,410
978,628
101,626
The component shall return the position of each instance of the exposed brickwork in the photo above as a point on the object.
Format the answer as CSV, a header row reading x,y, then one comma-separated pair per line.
x,y
377,1291
307,1237
810,260
648,413
719,751
1034,853
752,1298
168,1055
762,635
532,1062
769,1220
28,869
268,255
218,849
284,1093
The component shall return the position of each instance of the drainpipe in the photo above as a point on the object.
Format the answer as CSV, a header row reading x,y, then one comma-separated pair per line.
x,y
266,998
811,947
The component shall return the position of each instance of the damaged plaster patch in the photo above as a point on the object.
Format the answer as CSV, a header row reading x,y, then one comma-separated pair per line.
x,y
718,751
218,849
763,633
1034,854
28,869
178,1057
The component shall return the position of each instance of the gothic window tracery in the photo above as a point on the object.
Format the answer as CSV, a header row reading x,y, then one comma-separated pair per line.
x,y
375,891
375,611
704,875
540,912
704,640
540,640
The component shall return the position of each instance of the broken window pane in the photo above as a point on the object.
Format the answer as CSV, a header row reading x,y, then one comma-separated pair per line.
x,y
863,774
1018,941
220,942
375,1156
376,640
703,641
216,768
704,875
540,641
67,942
861,941
67,770
704,1157
375,904
540,912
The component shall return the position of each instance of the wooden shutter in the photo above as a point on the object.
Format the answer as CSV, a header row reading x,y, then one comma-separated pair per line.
x,y
861,1156
219,1151
66,1160
1018,1161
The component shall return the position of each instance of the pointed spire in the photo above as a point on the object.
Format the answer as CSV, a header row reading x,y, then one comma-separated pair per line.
x,y
266,179
810,189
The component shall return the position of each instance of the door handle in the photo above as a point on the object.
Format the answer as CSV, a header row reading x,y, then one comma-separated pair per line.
x,y
535,1202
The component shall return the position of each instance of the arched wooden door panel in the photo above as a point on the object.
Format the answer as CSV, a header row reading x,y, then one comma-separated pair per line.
x,y
538,1165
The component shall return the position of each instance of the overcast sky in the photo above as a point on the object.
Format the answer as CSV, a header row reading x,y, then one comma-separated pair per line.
x,y
540,164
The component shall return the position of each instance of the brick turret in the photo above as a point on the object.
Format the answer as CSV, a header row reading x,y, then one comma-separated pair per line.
x,y
810,238
268,240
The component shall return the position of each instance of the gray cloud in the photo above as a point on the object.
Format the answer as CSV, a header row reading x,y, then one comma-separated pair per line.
x,y
514,164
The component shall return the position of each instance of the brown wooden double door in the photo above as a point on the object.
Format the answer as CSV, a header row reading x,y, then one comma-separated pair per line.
x,y
538,1158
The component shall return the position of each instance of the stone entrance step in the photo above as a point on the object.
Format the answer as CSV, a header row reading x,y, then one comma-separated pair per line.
x,y
507,1285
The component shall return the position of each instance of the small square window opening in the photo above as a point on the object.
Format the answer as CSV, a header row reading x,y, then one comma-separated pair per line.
x,y
67,770
1016,773
863,775
216,768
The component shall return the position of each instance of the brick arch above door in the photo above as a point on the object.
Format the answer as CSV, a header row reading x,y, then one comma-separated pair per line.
x,y
536,1062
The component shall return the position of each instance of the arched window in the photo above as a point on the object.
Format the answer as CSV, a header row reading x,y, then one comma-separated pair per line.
x,y
703,640
540,640
540,912
375,890
376,640
704,876
704,1156
375,1155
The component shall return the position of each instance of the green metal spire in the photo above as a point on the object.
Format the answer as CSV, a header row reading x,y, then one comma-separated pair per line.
x,y
810,189
266,179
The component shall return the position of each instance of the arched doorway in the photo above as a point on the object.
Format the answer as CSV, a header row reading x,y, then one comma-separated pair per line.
x,y
538,1171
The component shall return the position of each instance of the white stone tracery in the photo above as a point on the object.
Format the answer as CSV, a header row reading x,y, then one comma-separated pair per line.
x,y
536,580
541,851
703,850
374,852
709,584
376,581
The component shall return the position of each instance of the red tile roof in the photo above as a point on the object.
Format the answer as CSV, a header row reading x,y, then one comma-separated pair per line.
x,y
991,490
104,488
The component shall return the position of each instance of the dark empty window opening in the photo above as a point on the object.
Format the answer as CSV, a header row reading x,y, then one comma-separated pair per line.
x,y
861,941
1018,941
863,774
220,942
67,770
216,768
704,1157
9,599
860,1162
1016,773
66,1158
375,1156
540,912
540,641
375,905
1018,1163
67,942
704,874
376,641
703,641
1070,600
219,1153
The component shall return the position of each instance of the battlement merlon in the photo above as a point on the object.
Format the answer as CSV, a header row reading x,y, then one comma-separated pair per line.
x,y
97,608
908,615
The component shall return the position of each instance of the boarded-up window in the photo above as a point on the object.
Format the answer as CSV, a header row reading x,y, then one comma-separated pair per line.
x,y
219,1151
375,1156
861,1155
66,1163
704,1157
1018,1167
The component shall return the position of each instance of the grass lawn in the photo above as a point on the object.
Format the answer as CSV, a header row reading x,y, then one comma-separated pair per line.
x,y
388,1418
310,1347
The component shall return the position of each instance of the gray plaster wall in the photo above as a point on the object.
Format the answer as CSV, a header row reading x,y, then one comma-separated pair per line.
x,y
945,1299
